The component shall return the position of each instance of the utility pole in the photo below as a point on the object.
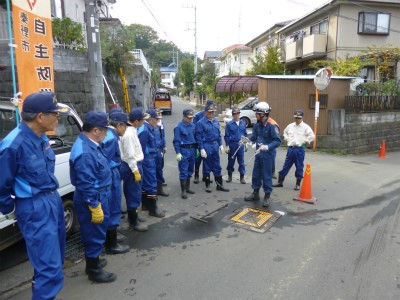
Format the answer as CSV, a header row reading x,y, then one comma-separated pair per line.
x,y
195,36
94,57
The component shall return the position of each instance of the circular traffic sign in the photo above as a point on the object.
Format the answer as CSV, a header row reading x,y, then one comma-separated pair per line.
x,y
322,78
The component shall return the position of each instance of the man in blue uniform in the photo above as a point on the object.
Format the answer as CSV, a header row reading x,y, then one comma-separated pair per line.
x,y
234,131
197,117
118,123
27,172
185,147
159,134
148,143
266,139
91,175
208,138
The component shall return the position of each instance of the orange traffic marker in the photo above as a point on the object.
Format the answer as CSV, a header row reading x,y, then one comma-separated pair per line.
x,y
305,190
382,151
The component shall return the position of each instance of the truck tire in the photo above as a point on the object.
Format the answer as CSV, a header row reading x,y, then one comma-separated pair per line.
x,y
71,221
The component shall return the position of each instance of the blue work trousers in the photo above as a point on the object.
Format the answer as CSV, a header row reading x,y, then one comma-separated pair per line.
x,y
115,201
41,221
262,171
294,155
239,156
149,178
212,162
159,167
132,190
186,165
93,235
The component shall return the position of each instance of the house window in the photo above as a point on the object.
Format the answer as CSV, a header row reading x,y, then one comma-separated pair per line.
x,y
322,99
373,23
319,28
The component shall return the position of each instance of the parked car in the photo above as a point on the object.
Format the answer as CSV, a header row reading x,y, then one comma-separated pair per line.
x,y
68,128
246,111
162,100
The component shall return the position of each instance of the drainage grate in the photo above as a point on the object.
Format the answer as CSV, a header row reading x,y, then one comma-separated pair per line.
x,y
74,247
254,219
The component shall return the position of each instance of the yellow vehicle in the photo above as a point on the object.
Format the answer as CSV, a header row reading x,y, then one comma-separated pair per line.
x,y
162,100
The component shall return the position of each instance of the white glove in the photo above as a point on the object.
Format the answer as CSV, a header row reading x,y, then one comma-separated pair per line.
x,y
178,157
221,149
263,148
254,145
227,149
203,153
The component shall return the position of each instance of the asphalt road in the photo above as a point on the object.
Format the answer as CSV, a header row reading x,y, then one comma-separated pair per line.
x,y
344,247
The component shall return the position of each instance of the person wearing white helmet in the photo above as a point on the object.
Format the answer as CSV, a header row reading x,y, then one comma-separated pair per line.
x,y
265,138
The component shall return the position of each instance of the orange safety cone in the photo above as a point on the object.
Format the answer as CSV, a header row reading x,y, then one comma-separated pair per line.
x,y
382,151
305,194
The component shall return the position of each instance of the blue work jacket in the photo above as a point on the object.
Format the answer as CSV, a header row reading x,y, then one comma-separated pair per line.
x,y
265,133
184,135
208,132
111,148
147,139
234,132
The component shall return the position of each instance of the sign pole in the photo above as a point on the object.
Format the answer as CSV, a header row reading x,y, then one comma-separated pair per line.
x,y
316,119
321,82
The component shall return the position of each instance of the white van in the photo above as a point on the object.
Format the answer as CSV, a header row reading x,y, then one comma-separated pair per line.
x,y
246,111
68,128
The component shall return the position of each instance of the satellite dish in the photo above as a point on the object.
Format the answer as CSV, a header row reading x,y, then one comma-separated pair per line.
x,y
322,78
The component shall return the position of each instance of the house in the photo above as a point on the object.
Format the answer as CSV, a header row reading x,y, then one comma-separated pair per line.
x,y
212,57
235,60
338,29
75,9
168,75
267,38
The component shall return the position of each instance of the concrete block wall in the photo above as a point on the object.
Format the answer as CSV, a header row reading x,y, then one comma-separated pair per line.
x,y
361,133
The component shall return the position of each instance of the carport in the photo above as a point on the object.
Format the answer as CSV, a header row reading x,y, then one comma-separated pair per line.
x,y
236,84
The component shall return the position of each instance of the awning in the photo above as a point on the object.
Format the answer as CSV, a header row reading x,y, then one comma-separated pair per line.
x,y
237,84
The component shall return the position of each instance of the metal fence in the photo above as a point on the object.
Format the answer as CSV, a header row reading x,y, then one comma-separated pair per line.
x,y
362,104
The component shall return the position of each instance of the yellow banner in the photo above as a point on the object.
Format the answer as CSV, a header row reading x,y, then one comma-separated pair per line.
x,y
34,45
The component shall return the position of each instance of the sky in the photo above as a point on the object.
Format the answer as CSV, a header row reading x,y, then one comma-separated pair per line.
x,y
219,23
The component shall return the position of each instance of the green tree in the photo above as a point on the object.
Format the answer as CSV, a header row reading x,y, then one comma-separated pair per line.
x,y
383,58
144,36
116,44
267,62
348,66
186,75
207,77
68,33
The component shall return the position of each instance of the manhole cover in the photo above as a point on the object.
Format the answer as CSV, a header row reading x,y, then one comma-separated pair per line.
x,y
74,247
254,219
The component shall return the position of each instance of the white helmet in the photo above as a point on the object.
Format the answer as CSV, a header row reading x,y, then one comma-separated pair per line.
x,y
262,107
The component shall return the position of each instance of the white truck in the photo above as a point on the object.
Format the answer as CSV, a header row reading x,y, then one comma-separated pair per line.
x,y
68,129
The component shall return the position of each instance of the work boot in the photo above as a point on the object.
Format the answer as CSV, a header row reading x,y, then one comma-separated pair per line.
x,y
144,201
229,177
297,186
220,184
102,264
164,184
112,245
134,223
153,209
160,190
183,189
280,181
196,177
204,179
188,190
96,273
120,237
207,181
255,196
242,181
266,200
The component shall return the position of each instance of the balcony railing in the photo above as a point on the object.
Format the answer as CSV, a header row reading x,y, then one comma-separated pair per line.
x,y
3,26
308,46
140,59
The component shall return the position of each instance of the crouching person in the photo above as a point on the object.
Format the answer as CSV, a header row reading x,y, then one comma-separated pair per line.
x,y
91,176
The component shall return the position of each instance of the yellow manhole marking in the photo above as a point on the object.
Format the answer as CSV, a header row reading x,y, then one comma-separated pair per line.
x,y
257,217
